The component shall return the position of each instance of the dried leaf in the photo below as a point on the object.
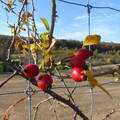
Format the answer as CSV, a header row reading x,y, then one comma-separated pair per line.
x,y
26,15
92,40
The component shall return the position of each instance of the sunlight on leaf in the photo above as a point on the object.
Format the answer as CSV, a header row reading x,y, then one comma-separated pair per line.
x,y
44,36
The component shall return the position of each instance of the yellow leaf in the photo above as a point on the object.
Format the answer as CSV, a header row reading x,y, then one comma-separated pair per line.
x,y
12,30
44,36
25,46
10,2
25,52
92,40
33,47
93,82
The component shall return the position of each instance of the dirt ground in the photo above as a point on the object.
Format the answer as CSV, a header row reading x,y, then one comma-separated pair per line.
x,y
53,110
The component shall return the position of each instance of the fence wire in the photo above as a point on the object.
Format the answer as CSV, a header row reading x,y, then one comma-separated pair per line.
x,y
60,87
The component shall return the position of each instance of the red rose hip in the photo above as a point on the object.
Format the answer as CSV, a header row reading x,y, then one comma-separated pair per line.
x,y
84,53
31,70
77,74
76,61
44,81
42,84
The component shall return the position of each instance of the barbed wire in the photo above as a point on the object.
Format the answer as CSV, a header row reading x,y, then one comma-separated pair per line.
x,y
83,5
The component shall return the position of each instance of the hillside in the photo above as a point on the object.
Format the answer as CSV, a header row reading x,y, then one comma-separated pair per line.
x,y
105,53
69,44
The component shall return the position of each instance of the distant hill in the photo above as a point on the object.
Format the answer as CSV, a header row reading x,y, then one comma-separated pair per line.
x,y
61,43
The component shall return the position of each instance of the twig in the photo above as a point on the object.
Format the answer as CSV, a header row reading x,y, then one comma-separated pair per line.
x,y
112,112
9,78
75,116
62,79
36,107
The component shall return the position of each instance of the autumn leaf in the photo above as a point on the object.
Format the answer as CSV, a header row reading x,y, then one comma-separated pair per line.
x,y
92,40
93,82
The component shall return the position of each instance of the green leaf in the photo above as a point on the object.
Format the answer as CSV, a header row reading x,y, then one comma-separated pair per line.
x,y
21,1
46,24
11,26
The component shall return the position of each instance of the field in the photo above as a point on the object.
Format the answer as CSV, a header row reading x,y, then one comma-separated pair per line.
x,y
52,110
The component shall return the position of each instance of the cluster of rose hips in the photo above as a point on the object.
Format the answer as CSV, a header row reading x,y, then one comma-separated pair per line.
x,y
43,82
78,64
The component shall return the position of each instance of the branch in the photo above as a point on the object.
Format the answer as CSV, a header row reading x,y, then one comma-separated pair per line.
x,y
53,20
67,102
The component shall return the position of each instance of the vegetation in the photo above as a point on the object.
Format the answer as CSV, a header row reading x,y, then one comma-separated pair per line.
x,y
105,53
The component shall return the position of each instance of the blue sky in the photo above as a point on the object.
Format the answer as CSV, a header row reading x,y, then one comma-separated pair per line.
x,y
72,22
